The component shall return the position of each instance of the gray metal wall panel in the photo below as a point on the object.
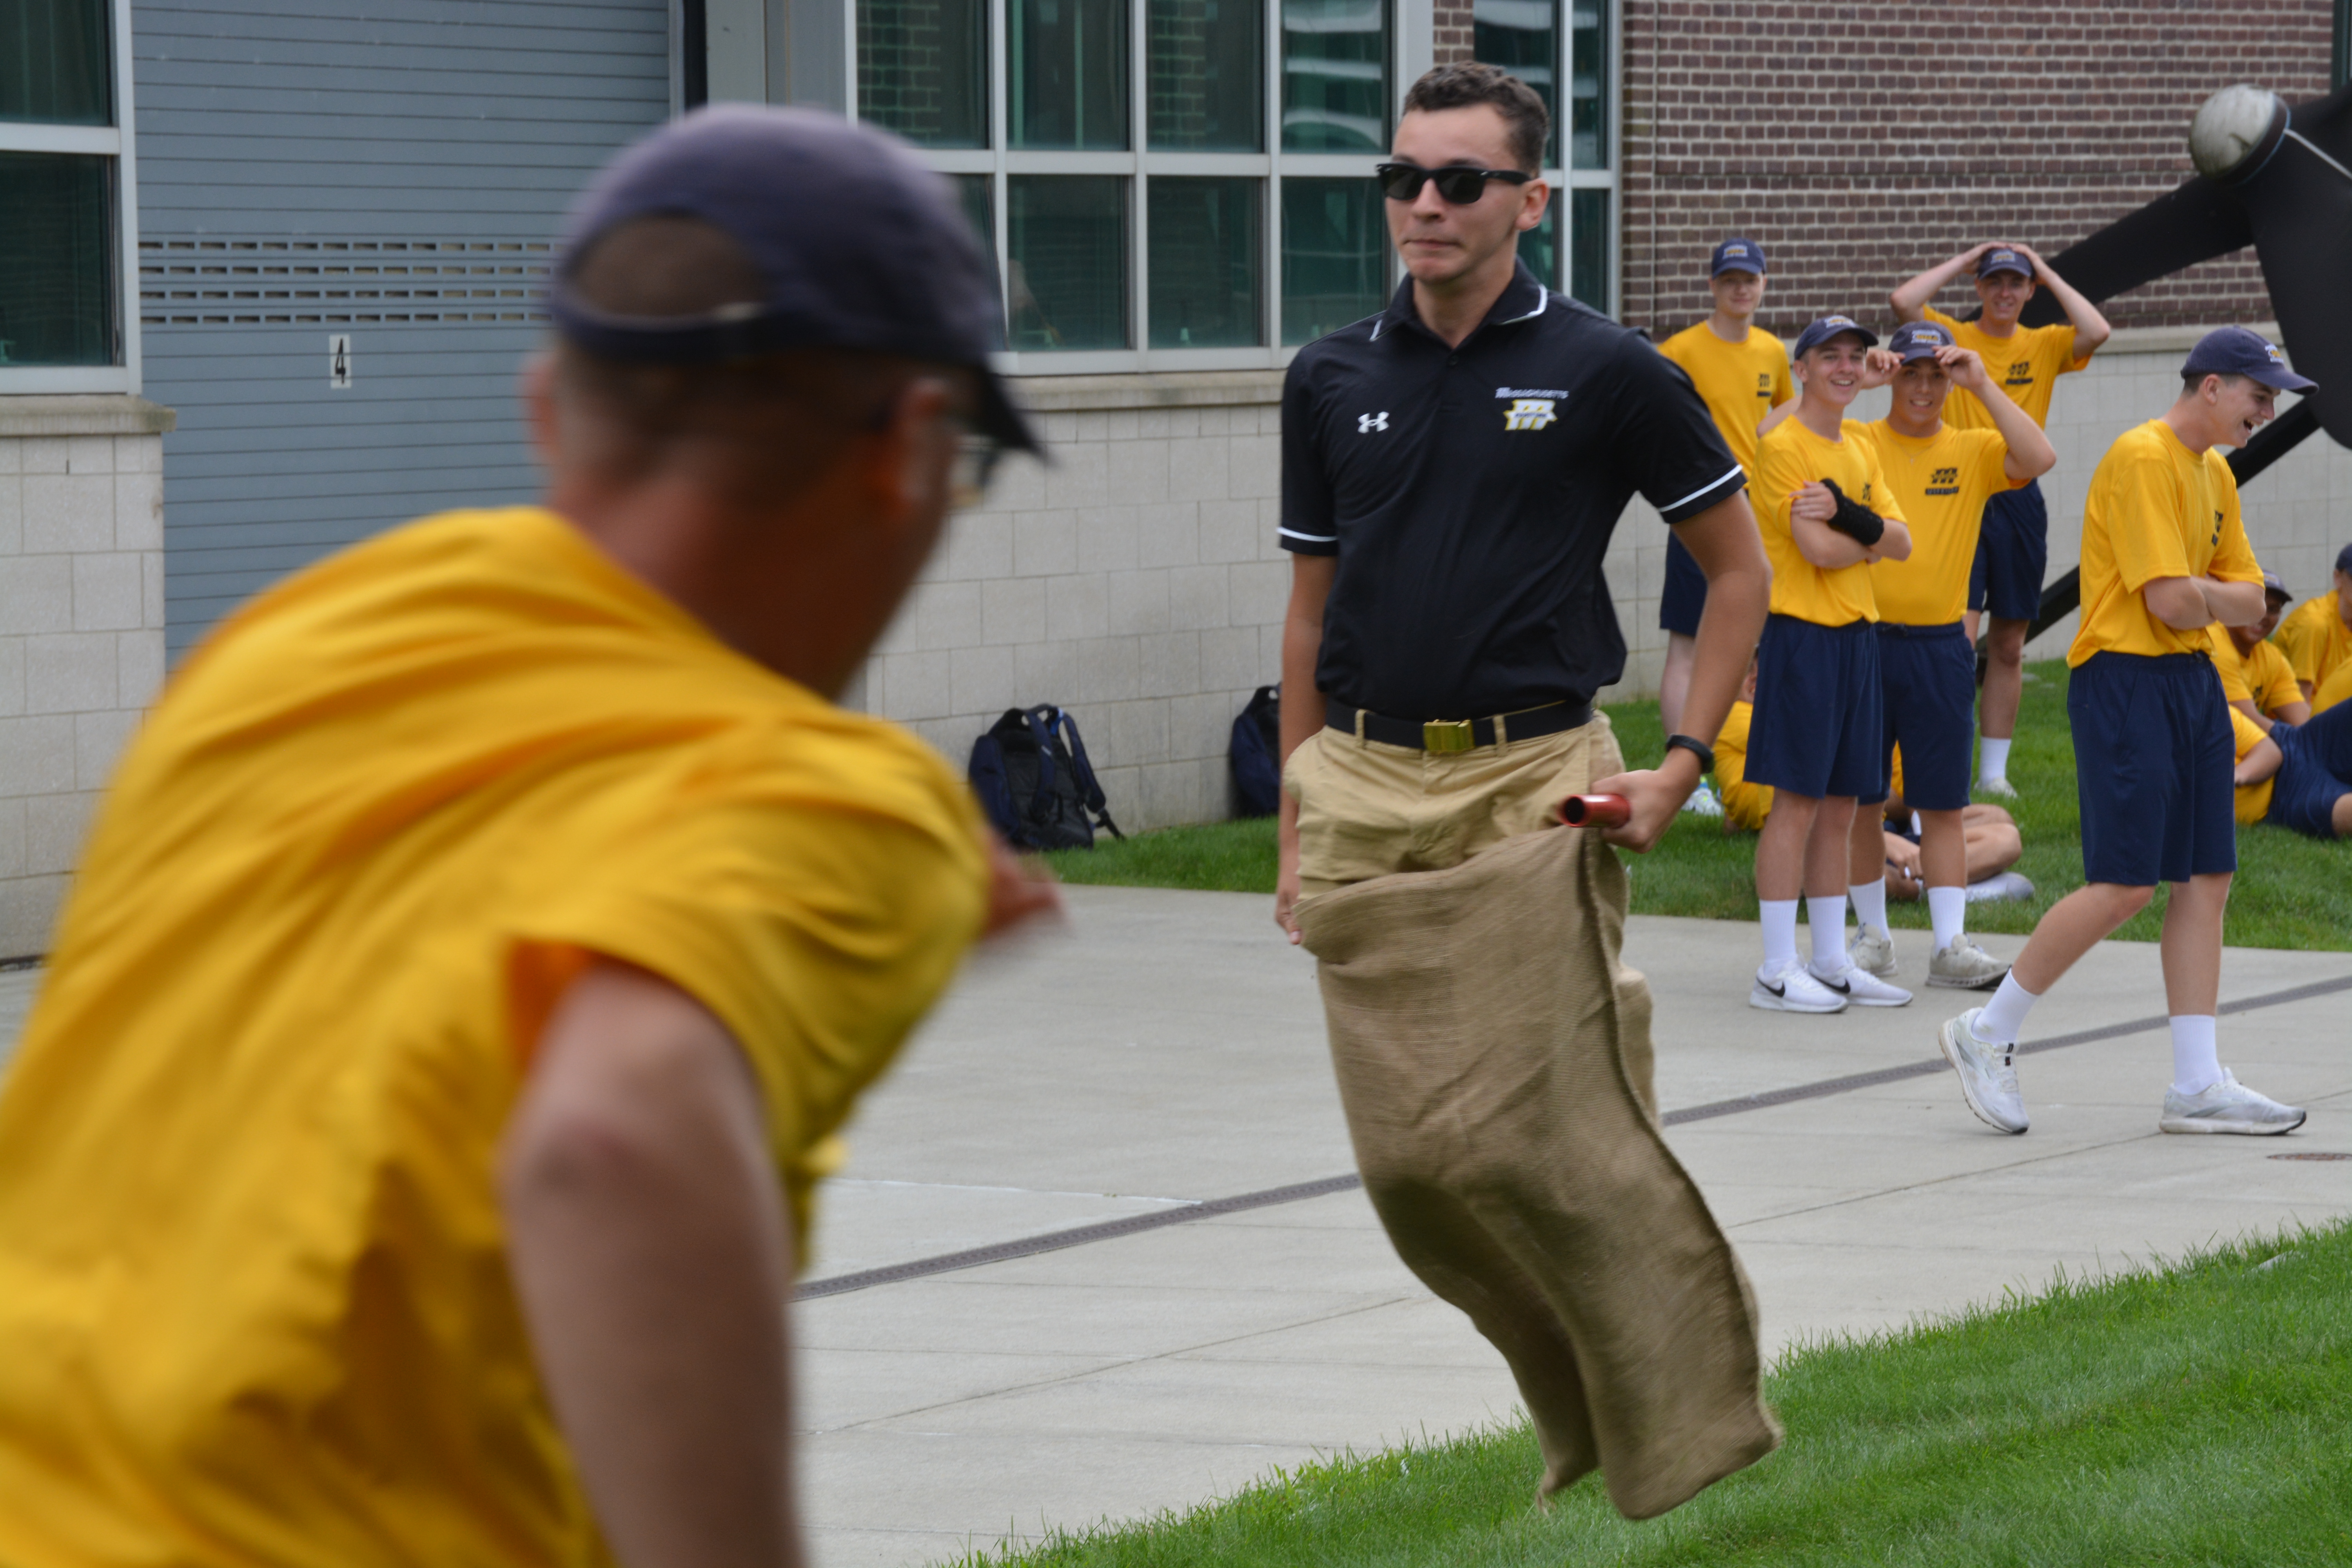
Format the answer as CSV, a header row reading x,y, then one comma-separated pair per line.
x,y
266,126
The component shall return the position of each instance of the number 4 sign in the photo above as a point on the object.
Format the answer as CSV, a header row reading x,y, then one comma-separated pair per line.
x,y
339,362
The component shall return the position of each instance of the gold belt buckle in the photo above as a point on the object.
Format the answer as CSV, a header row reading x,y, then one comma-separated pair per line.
x,y
1448,735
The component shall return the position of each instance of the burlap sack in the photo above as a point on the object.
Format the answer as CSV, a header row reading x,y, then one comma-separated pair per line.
x,y
1494,1063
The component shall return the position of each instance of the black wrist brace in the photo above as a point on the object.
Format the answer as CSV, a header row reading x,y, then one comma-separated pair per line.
x,y
1854,520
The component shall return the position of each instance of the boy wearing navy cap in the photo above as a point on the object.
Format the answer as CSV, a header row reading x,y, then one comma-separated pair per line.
x,y
1817,736
2165,558
1741,373
2318,638
2013,551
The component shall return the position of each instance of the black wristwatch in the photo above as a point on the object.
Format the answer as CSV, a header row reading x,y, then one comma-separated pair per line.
x,y
1697,747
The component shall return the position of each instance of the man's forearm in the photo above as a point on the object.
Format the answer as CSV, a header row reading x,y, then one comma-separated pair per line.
x,y
2232,603
1724,541
2091,328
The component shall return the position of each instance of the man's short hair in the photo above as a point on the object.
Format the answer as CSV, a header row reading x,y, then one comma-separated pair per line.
x,y
1525,119
2190,380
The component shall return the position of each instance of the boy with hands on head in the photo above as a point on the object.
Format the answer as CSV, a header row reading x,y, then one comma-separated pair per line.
x,y
1818,734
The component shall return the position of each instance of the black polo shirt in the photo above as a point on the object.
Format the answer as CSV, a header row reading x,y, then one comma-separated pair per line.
x,y
1470,492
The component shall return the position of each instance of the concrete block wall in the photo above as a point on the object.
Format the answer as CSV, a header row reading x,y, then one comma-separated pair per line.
x,y
81,628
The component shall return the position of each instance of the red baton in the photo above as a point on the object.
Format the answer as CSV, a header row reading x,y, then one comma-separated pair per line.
x,y
1595,811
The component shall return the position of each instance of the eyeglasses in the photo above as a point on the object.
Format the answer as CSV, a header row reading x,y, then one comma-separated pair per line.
x,y
1456,184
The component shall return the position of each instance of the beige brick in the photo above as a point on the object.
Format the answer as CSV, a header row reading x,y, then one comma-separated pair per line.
x,y
938,615
1260,591
151,571
1229,660
89,455
914,684
1013,610
12,851
1230,531
1080,477
1110,538
55,827
1196,597
1045,542
28,910
1137,602
1137,471
978,545
1122,735
12,510
107,592
1077,607
12,455
138,512
70,672
37,754
1107,671
1256,466
1169,535
138,454
983,680
43,454
36,593
1200,470
12,679
1170,664
69,512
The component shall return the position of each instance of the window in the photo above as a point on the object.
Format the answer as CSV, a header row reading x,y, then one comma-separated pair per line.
x,y
1163,183
66,230
1556,45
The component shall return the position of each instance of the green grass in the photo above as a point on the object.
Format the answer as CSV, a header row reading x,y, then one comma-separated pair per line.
x,y
2291,892
2191,1415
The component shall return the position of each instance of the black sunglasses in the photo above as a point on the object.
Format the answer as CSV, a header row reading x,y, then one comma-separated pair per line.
x,y
1457,184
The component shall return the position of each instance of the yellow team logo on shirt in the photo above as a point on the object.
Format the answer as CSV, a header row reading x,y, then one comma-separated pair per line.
x,y
1945,482
1529,414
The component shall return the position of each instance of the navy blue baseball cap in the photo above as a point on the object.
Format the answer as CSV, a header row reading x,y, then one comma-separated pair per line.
x,y
861,246
1736,255
2240,351
2001,258
1828,327
2344,558
1919,340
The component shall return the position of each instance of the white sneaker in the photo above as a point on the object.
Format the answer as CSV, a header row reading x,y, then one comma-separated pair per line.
x,y
1861,987
1789,987
1873,952
2228,1106
1703,802
1988,1073
2004,886
1963,966
2000,788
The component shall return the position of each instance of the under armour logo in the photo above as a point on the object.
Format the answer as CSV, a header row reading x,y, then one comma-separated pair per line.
x,y
1529,414
1368,423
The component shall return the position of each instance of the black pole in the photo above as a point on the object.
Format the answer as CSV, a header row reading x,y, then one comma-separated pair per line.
x,y
693,44
2274,441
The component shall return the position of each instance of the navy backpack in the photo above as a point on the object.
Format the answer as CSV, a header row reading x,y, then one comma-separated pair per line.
x,y
1031,773
1256,753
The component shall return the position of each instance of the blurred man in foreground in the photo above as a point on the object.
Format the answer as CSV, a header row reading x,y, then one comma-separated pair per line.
x,y
410,1155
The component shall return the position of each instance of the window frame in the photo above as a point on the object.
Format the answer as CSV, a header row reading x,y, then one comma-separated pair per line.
x,y
117,142
1563,179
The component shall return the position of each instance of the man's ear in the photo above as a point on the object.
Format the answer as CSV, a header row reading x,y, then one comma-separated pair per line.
x,y
913,453
536,385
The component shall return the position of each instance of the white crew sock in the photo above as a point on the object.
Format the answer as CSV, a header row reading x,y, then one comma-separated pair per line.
x,y
2005,1013
1827,917
1869,899
1780,918
2196,1063
1948,911
1992,760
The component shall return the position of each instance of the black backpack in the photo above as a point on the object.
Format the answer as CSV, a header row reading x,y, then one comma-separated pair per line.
x,y
1256,753
1031,773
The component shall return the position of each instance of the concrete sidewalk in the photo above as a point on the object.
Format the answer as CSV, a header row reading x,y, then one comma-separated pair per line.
x,y
1169,1048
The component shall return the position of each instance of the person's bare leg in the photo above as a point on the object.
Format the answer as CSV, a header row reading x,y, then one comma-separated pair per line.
x,y
1992,847
1866,848
1826,848
2192,946
2004,681
2076,924
1674,682
1780,847
2340,817
1943,850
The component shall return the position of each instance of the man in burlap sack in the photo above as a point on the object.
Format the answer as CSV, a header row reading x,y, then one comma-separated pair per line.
x,y
1451,471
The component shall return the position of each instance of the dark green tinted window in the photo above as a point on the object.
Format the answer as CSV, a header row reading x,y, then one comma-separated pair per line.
x,y
1067,236
57,271
978,195
1070,68
1539,246
1523,37
1205,78
1588,254
53,63
922,69
1335,251
1588,84
1205,267
1335,76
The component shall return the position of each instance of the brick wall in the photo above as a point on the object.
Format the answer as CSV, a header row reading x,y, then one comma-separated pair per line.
x,y
1860,143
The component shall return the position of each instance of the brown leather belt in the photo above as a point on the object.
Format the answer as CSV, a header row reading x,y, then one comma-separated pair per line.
x,y
1445,735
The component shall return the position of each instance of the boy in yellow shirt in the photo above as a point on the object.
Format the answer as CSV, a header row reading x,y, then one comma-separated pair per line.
x,y
1940,477
2164,558
1741,373
2318,638
2255,676
2013,551
412,1149
1818,734
2297,776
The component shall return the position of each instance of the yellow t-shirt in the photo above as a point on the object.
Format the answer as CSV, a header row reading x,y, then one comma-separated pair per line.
x,y
1745,805
1739,383
2262,677
2332,691
1941,484
2315,639
255,1304
1789,457
2026,365
2155,509
2251,802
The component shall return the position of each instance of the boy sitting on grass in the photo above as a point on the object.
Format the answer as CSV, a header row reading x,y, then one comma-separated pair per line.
x,y
2318,638
2255,676
1818,735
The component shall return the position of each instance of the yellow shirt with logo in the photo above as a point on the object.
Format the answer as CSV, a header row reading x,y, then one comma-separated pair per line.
x,y
2155,509
1745,805
2262,677
1741,383
2250,803
2026,365
2333,689
1789,457
255,1302
1941,483
2315,639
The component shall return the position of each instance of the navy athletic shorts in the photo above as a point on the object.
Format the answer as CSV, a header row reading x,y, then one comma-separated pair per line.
x,y
2153,760
1684,597
2316,774
1929,677
2013,552
1817,729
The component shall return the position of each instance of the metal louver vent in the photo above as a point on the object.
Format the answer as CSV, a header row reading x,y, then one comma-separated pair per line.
x,y
222,281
